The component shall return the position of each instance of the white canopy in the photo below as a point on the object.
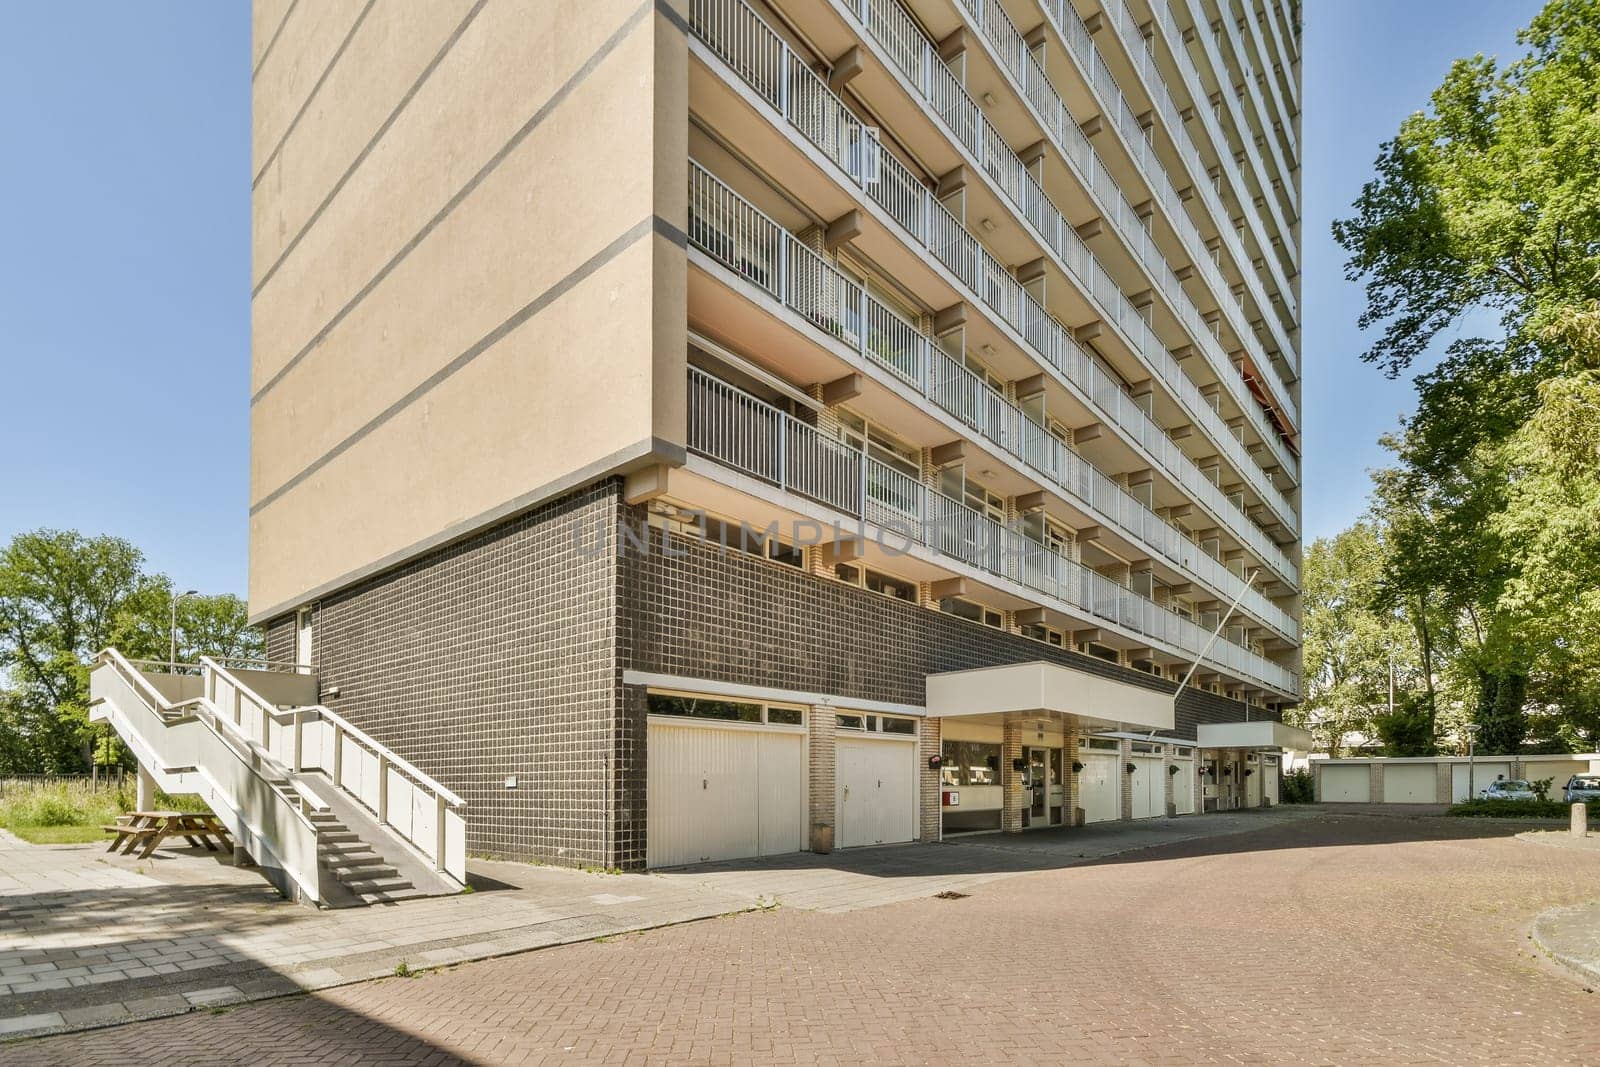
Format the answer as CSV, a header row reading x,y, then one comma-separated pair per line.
x,y
1040,687
1259,733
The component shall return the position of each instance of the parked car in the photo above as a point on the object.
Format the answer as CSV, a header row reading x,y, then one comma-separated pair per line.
x,y
1508,789
1584,787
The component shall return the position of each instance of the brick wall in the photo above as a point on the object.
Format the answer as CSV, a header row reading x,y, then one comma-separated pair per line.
x,y
727,616
495,656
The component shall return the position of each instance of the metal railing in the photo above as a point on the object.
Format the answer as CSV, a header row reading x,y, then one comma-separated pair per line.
x,y
403,798
832,128
734,232
1167,23
973,130
739,430
1015,57
247,786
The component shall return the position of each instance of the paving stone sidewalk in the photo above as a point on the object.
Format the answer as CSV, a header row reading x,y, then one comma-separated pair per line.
x,y
92,939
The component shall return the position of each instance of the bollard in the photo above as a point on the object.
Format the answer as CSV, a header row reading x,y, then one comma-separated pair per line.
x,y
1580,820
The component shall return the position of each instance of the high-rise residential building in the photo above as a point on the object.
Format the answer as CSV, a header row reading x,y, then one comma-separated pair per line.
x,y
714,428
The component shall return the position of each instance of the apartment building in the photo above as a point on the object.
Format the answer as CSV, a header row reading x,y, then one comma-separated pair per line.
x,y
706,429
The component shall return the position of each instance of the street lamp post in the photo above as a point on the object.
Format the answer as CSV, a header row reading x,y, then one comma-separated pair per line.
x,y
172,650
1472,747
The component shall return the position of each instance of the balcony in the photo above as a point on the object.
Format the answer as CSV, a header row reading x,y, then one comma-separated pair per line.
x,y
1031,83
733,232
758,56
919,64
739,431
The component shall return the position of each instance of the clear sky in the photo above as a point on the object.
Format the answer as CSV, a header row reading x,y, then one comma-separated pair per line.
x,y
1367,65
124,262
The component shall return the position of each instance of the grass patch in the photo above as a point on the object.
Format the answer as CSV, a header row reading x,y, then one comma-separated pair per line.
x,y
58,813
1510,809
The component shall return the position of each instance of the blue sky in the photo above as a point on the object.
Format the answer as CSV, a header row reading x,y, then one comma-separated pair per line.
x,y
124,268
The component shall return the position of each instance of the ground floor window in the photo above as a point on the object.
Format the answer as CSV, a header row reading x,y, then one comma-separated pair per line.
x,y
970,785
702,707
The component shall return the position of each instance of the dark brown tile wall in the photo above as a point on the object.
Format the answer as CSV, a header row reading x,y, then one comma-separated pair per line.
x,y
731,617
496,656
502,654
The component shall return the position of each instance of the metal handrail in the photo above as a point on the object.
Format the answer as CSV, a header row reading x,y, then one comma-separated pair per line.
x,y
740,236
384,752
736,34
742,431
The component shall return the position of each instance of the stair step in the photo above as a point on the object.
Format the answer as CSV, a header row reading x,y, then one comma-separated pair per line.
x,y
370,873
361,886
341,848
360,859
337,836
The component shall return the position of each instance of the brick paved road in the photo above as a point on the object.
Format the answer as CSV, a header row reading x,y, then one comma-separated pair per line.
x,y
1335,940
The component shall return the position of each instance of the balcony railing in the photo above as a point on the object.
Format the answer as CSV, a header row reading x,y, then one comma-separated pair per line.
x,y
968,125
1167,21
737,35
1143,58
1017,58
739,430
735,233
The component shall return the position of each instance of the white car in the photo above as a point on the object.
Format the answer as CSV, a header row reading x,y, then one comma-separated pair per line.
x,y
1508,789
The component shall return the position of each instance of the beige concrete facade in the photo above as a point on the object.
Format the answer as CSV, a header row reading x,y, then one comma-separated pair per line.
x,y
469,271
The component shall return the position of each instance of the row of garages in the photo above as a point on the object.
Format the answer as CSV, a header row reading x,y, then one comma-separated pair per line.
x,y
730,779
1435,779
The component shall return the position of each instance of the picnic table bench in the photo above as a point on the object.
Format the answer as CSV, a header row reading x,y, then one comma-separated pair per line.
x,y
151,828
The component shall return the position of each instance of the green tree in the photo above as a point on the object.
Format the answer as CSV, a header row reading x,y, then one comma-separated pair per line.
x,y
63,598
1350,637
1490,201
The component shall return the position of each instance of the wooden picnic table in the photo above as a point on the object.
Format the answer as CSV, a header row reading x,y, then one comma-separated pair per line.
x,y
151,828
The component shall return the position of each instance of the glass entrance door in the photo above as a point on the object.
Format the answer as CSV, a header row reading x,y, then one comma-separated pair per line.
x,y
1044,787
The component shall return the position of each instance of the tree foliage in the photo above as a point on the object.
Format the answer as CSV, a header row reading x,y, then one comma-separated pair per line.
x,y
1490,200
63,598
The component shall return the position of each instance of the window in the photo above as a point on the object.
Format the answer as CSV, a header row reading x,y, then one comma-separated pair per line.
x,y
892,587
966,609
1098,651
698,707
970,763
745,538
877,724
1098,742
704,708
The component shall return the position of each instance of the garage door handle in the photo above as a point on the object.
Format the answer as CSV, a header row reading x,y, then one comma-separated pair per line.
x,y
705,783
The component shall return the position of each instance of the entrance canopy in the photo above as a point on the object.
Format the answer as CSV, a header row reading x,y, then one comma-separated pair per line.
x,y
1046,688
1261,733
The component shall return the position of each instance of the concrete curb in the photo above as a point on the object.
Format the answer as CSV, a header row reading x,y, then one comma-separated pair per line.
x,y
1556,933
18,1029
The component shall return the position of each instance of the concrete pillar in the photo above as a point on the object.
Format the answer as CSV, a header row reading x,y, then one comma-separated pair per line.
x,y
930,812
820,757
1580,819
1013,798
146,792
1377,782
1169,780
1069,777
1124,779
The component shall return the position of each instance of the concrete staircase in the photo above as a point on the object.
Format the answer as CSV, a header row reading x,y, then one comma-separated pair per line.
x,y
328,814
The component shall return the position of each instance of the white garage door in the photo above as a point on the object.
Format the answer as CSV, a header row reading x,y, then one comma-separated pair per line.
x,y
1269,778
723,792
1098,791
1410,783
1149,791
1482,774
1346,784
875,790
1183,786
